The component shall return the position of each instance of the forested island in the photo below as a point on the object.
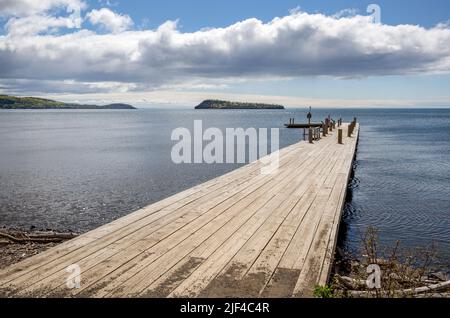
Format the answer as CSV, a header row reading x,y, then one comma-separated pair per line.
x,y
12,102
220,104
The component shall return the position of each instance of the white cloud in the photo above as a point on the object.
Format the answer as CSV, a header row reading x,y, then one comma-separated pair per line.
x,y
350,12
110,20
31,7
28,17
35,24
108,3
296,45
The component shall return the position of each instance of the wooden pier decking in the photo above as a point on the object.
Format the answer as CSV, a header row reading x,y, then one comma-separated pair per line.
x,y
244,234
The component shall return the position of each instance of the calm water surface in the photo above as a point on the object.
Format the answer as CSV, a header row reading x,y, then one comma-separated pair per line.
x,y
76,170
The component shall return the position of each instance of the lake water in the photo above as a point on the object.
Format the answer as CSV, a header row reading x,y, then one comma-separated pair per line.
x,y
77,170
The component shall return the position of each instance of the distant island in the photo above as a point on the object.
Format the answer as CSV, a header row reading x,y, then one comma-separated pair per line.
x,y
12,102
220,104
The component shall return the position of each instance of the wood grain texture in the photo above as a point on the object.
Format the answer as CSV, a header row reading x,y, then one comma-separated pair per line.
x,y
244,234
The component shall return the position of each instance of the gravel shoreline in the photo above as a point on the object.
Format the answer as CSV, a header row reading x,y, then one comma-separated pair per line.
x,y
17,245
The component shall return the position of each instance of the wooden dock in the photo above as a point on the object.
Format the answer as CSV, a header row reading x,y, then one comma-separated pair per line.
x,y
244,234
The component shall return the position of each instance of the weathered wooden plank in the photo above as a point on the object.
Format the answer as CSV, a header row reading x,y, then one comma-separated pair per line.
x,y
161,207
195,232
143,228
273,186
242,234
212,246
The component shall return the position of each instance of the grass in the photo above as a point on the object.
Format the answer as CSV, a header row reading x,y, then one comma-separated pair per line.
x,y
323,291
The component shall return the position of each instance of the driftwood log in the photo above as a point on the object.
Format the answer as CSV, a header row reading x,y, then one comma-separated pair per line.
x,y
350,283
436,288
44,238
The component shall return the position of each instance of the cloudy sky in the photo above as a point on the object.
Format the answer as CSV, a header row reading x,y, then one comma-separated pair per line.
x,y
176,52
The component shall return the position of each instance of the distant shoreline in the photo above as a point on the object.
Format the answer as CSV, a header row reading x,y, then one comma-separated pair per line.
x,y
64,109
33,103
220,104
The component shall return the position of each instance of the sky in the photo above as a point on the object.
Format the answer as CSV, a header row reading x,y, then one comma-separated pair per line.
x,y
319,53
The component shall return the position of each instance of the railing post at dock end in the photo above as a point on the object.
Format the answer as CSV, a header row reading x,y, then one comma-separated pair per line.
x,y
340,136
310,135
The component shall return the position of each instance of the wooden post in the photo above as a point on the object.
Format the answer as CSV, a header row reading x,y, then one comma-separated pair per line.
x,y
310,135
324,130
340,136
349,130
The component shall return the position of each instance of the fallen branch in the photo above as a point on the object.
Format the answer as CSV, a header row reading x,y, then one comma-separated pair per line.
x,y
47,238
401,279
411,291
437,295
350,283
435,288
